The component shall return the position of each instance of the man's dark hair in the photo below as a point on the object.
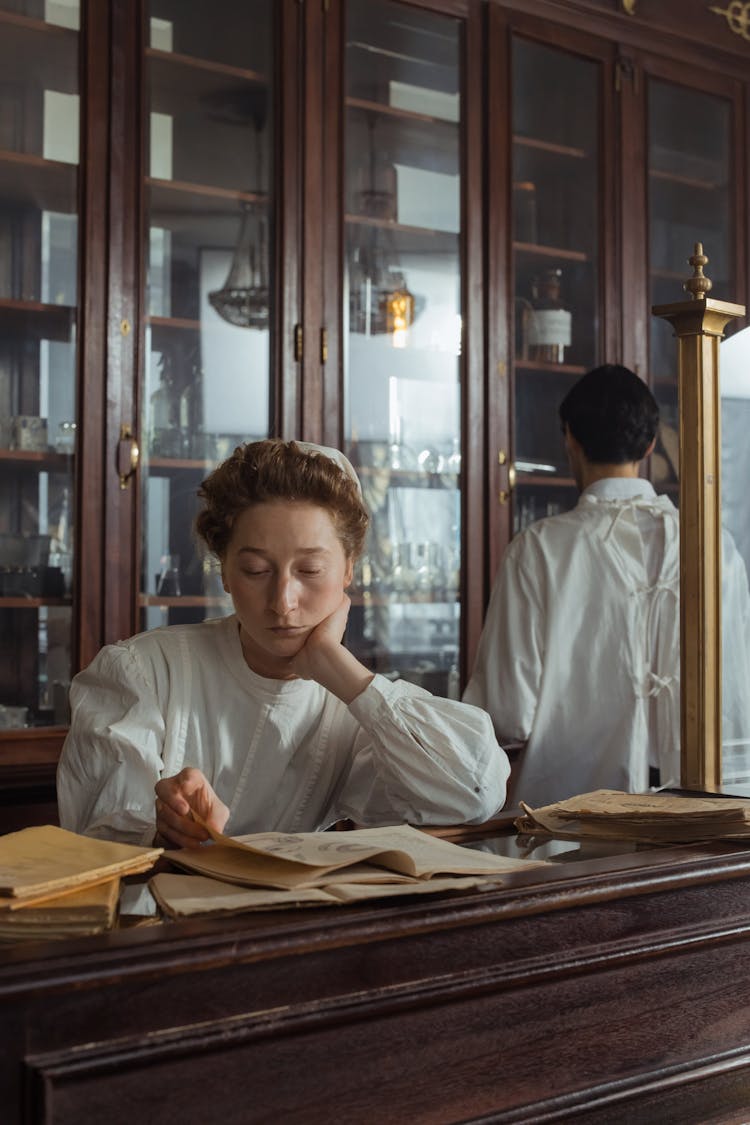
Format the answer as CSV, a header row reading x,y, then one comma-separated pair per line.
x,y
612,414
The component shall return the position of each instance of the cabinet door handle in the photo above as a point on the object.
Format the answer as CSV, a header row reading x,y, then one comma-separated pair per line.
x,y
127,455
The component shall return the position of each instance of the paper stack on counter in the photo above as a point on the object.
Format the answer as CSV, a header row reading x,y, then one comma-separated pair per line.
x,y
59,883
650,818
269,870
90,911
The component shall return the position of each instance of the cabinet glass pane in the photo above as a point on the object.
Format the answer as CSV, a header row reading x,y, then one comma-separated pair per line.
x,y
402,309
555,228
39,131
689,172
209,285
735,518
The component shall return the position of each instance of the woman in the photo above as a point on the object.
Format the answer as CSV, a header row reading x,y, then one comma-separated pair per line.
x,y
264,720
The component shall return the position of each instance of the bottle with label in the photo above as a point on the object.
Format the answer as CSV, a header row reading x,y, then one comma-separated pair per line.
x,y
547,323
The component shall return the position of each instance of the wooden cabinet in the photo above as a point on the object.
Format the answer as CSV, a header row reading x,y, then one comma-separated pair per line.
x,y
613,147
403,227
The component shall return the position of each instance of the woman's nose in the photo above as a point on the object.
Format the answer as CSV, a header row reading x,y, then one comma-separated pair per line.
x,y
284,594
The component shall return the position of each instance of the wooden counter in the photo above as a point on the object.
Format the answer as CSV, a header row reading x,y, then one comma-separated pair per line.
x,y
610,990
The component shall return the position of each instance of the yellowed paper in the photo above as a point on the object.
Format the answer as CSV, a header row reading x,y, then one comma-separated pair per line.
x,y
47,859
182,896
91,910
306,858
641,818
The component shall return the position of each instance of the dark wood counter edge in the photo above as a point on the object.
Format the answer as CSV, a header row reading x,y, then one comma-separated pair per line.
x,y
187,945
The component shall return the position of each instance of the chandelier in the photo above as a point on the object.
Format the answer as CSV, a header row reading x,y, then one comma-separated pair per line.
x,y
245,297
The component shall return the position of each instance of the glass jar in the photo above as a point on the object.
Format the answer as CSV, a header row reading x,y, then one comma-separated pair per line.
x,y
547,323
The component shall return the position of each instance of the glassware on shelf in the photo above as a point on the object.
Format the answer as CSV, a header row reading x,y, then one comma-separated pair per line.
x,y
402,572
547,324
168,581
65,442
428,578
450,467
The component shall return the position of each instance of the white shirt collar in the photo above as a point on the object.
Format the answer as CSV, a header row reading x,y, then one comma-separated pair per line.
x,y
619,488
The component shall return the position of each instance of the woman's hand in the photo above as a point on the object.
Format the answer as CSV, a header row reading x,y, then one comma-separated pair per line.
x,y
323,640
324,659
176,798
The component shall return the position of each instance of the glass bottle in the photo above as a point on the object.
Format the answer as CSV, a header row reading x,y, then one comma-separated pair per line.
x,y
547,323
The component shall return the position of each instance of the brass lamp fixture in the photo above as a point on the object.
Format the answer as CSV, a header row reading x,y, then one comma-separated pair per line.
x,y
379,298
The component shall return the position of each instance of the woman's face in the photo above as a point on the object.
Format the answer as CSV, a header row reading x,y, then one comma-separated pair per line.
x,y
286,571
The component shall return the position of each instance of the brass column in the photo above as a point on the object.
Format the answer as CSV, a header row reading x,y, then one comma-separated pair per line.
x,y
699,326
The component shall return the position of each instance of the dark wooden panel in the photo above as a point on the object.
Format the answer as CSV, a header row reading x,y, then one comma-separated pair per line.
x,y
591,992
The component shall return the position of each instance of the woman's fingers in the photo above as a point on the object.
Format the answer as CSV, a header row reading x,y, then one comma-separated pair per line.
x,y
177,797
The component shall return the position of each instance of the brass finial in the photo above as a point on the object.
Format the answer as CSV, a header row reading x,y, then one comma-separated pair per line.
x,y
698,285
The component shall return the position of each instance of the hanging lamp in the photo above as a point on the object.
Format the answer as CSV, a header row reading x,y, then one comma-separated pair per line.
x,y
379,298
245,297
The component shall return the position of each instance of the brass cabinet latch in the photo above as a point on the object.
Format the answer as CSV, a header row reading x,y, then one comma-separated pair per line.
x,y
128,454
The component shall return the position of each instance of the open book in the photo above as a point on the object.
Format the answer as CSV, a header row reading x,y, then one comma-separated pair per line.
x,y
374,856
40,862
181,896
654,818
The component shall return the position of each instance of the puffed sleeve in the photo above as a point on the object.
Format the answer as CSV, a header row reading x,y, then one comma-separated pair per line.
x,y
421,759
508,669
111,758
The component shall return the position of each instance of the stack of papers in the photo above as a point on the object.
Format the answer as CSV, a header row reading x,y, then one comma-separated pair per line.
x,y
90,911
272,870
55,883
651,818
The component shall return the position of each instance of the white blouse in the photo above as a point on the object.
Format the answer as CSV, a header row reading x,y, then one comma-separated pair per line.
x,y
283,755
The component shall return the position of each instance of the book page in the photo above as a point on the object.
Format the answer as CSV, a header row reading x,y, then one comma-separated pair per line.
x,y
399,848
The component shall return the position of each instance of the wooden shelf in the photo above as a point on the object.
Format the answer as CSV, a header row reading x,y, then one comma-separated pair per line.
x,y
185,601
46,459
40,54
691,182
178,464
33,182
537,250
550,368
551,147
542,480
33,603
37,321
175,197
182,324
399,228
396,112
365,598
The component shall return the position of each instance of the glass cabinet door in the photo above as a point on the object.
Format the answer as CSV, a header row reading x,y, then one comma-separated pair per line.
x,y
209,285
39,159
402,343
689,173
556,219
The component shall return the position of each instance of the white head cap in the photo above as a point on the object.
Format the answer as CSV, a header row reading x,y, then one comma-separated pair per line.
x,y
334,455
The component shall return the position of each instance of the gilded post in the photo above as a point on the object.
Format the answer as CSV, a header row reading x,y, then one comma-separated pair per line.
x,y
699,325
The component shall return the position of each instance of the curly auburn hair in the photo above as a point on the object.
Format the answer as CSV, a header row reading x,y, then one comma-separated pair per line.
x,y
263,471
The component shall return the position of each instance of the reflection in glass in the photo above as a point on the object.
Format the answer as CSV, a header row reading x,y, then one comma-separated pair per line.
x,y
735,514
209,280
39,155
402,305
689,169
556,193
